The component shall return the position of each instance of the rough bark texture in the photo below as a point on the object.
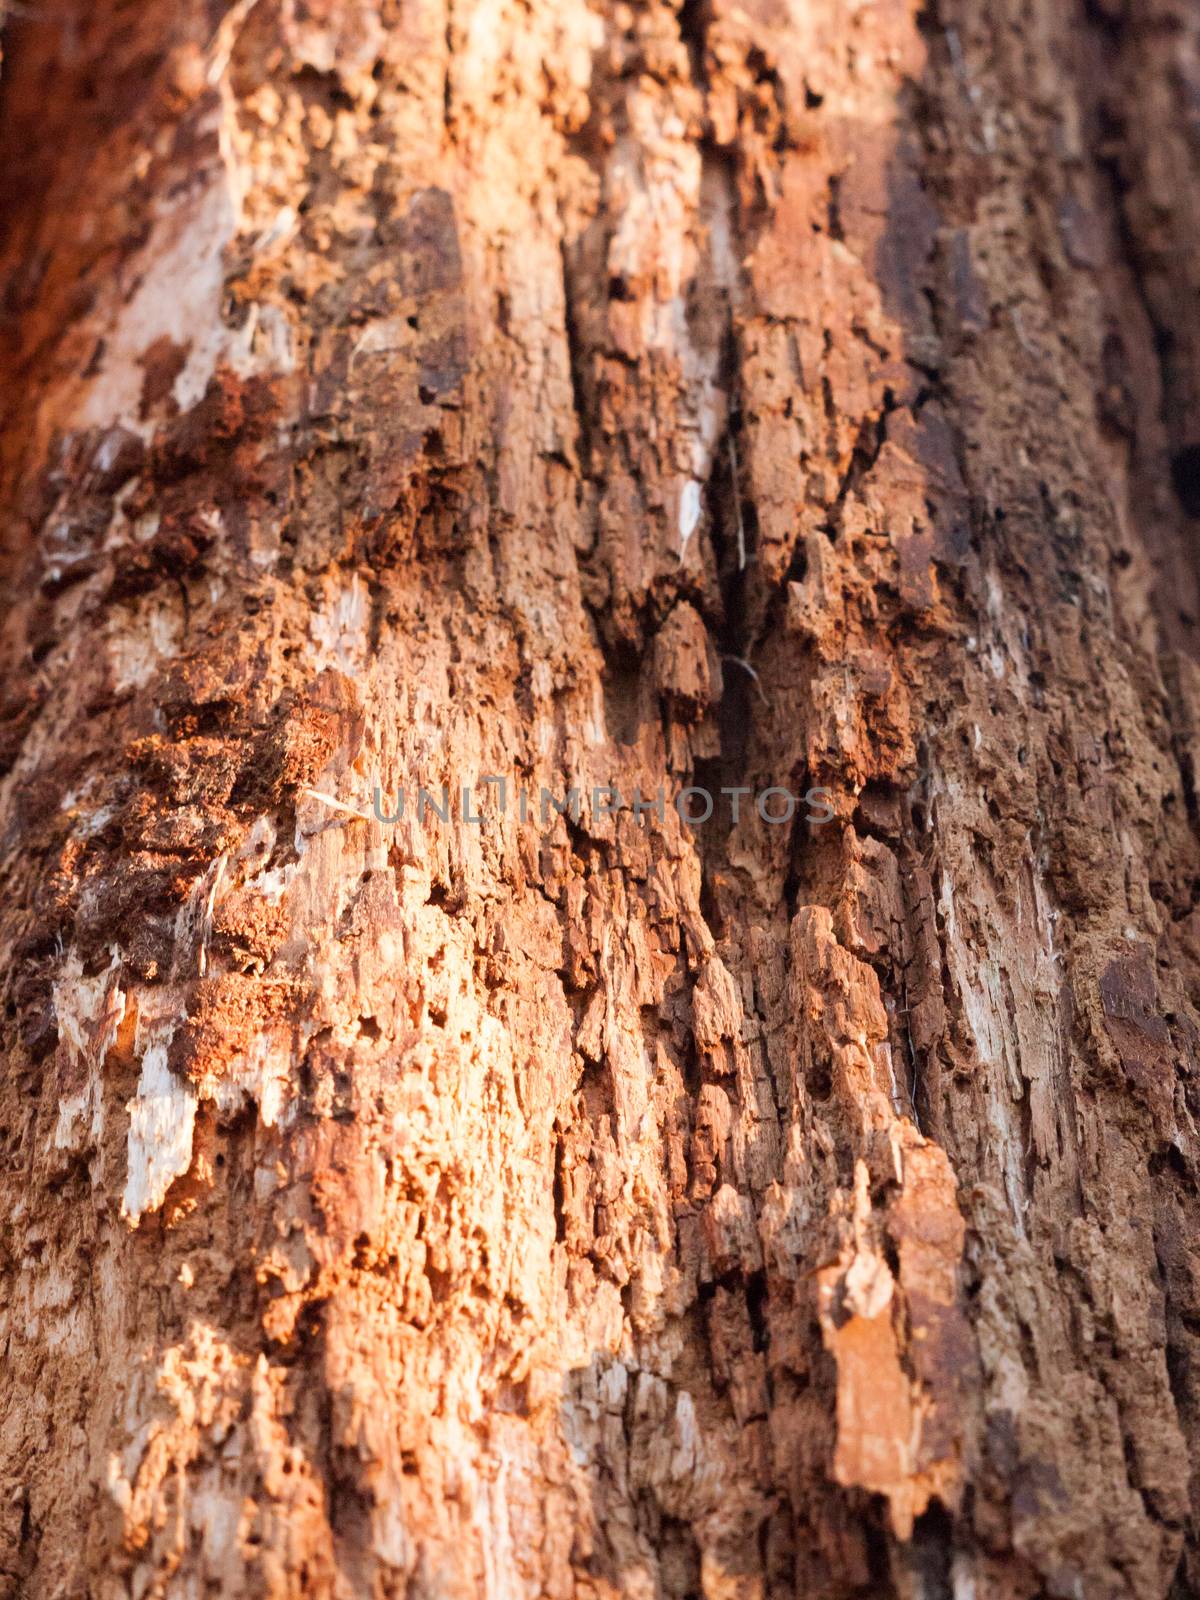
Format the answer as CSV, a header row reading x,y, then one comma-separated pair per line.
x,y
605,1207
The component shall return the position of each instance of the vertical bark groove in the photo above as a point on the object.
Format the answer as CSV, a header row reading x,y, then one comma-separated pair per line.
x,y
776,396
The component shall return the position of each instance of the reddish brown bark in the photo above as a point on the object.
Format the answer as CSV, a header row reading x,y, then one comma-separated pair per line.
x,y
798,394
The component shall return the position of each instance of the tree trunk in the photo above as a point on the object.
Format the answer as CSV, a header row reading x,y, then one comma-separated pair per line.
x,y
545,1193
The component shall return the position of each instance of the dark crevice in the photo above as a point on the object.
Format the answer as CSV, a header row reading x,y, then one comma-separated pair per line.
x,y
1185,478
693,30
577,358
930,1554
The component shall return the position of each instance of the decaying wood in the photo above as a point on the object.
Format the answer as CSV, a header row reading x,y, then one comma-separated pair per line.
x,y
784,394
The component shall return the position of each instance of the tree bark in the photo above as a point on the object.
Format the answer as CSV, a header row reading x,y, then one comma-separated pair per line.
x,y
793,395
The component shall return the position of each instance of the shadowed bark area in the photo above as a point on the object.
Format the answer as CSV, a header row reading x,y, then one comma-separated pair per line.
x,y
784,395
